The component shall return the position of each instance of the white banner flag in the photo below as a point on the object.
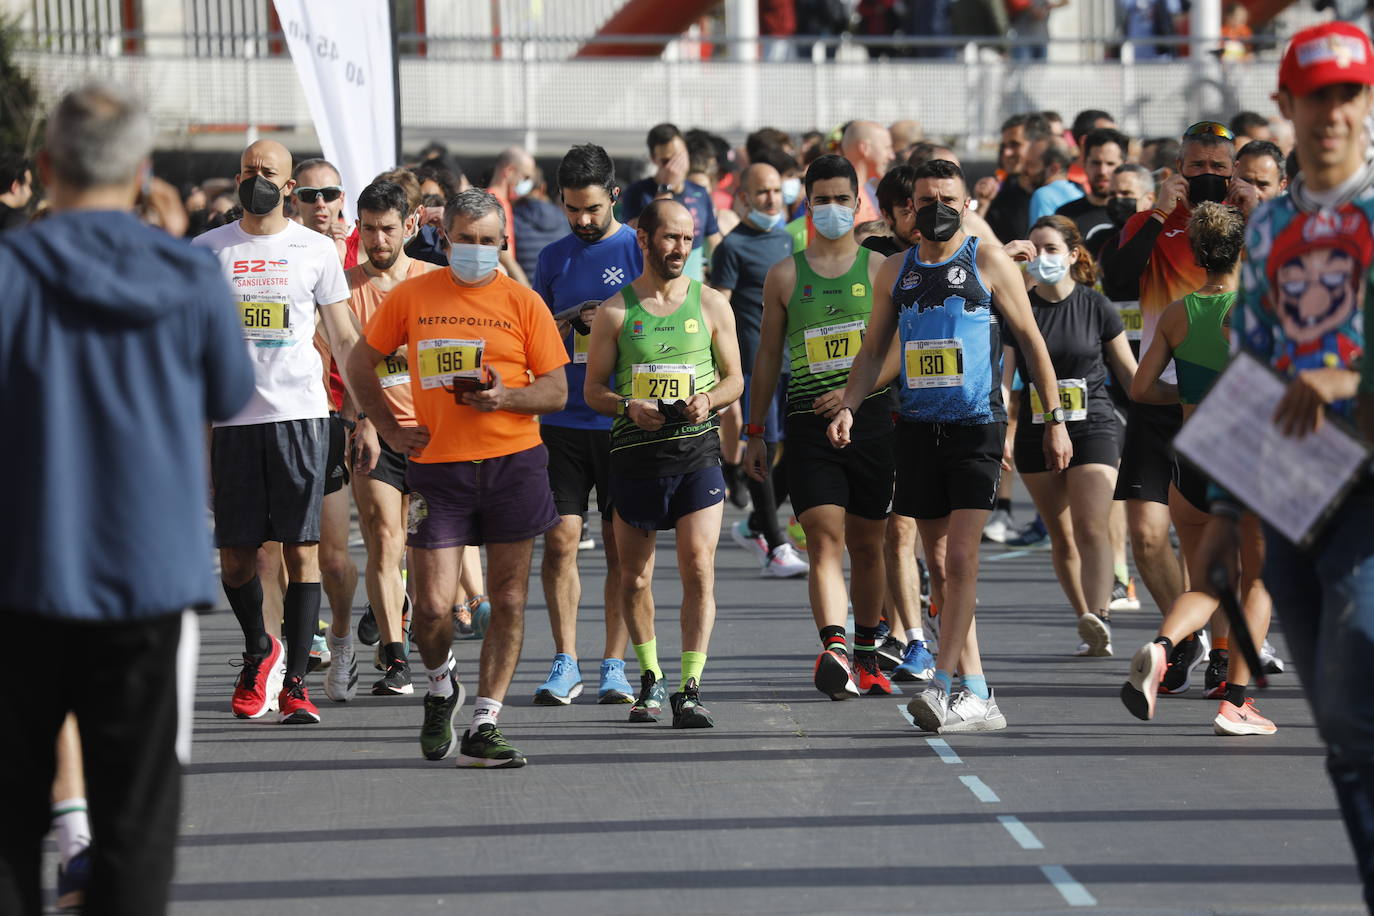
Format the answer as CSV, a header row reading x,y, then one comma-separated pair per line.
x,y
342,51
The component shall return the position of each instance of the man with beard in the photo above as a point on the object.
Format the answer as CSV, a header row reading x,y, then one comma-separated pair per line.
x,y
587,266
385,219
669,344
1103,150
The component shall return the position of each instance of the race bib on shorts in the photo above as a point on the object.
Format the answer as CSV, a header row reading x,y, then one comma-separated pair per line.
x,y
265,317
393,370
1073,397
668,381
935,363
1132,318
833,347
442,361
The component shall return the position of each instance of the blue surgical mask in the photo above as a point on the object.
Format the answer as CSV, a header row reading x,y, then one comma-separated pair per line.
x,y
833,220
765,221
473,263
524,187
791,190
1048,268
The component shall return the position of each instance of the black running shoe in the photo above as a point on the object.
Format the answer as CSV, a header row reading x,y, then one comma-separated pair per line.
x,y
891,651
1214,678
441,715
652,695
687,709
396,681
486,748
1187,655
368,634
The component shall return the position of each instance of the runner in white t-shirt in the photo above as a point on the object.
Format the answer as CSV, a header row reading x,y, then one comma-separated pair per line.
x,y
267,464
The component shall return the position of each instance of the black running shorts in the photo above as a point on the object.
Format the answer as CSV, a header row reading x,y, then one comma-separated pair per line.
x,y
579,462
942,467
391,467
1097,447
336,463
857,478
1147,461
269,482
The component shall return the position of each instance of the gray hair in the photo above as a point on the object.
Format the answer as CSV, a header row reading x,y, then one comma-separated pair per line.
x,y
474,203
98,135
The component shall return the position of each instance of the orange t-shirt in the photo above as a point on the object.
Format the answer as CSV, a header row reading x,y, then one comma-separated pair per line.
x,y
444,324
364,298
1172,272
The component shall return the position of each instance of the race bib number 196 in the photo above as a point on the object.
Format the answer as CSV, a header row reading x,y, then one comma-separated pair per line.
x,y
935,363
671,382
442,361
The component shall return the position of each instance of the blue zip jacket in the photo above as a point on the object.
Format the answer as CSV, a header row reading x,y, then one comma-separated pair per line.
x,y
118,344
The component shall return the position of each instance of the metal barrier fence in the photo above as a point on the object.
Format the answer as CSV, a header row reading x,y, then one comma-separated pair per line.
x,y
528,91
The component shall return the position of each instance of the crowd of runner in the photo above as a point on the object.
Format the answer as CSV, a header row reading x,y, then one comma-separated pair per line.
x,y
844,325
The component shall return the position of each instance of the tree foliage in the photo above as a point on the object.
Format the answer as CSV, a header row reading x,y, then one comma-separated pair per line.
x,y
21,112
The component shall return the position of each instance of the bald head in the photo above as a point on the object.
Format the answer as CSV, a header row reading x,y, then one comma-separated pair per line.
x,y
761,189
512,167
868,147
905,133
270,161
665,234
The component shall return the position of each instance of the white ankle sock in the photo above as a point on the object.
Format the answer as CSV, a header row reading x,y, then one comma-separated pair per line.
x,y
441,679
484,711
73,827
342,643
915,634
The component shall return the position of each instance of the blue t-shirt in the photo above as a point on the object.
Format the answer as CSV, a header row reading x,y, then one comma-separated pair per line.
x,y
1051,197
698,202
951,341
741,264
570,272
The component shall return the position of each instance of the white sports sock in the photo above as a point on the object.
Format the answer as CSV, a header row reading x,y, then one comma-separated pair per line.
x,y
484,711
915,633
73,827
441,679
340,643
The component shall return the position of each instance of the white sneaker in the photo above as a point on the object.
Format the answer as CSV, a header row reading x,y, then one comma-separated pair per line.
x,y
970,713
1270,660
587,543
785,563
1096,633
930,707
754,543
999,526
341,680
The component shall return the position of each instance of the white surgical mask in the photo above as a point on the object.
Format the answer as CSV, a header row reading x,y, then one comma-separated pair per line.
x,y
791,190
1048,268
473,263
524,187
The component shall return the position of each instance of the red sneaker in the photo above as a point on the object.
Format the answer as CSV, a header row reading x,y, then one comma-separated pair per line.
x,y
1241,720
872,680
259,682
296,708
834,677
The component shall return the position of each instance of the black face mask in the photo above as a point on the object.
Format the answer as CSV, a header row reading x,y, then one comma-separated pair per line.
x,y
1203,188
938,222
1120,209
258,195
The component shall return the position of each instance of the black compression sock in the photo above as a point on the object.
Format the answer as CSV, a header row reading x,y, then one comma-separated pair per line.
x,y
1003,504
865,638
394,652
1167,643
300,618
246,600
1235,694
764,519
833,638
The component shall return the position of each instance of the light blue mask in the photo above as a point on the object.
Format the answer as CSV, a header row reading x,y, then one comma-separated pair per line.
x,y
833,220
765,221
473,263
524,187
1048,268
791,190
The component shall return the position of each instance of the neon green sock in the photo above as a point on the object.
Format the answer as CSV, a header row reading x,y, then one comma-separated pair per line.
x,y
1122,573
693,663
647,653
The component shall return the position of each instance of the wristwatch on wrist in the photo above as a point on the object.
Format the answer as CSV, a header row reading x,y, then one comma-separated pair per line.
x,y
665,188
622,407
1054,416
753,429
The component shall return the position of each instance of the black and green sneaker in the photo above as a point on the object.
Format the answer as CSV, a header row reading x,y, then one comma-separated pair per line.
x,y
487,748
441,714
687,709
652,695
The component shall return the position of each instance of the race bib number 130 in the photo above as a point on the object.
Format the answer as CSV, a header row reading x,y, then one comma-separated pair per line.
x,y
935,363
442,361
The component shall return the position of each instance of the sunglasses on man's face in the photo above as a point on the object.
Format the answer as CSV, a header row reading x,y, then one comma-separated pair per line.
x,y
1209,129
310,195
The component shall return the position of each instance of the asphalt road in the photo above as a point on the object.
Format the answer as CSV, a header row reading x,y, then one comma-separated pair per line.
x,y
792,804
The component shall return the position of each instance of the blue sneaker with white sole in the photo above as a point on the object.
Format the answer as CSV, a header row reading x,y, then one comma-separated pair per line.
x,y
917,663
614,687
564,684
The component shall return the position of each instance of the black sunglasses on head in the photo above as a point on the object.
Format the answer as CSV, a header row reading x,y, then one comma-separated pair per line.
x,y
310,195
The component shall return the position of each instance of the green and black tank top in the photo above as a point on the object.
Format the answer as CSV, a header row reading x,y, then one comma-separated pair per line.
x,y
668,358
827,318
1205,350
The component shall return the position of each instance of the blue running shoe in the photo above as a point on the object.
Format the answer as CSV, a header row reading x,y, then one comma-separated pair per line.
x,y
564,684
614,687
72,879
1033,535
917,663
481,615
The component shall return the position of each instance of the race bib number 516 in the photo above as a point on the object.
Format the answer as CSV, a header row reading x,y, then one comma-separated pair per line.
x,y
265,318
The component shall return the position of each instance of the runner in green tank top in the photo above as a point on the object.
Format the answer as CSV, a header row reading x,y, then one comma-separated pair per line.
x,y
669,343
816,308
1205,349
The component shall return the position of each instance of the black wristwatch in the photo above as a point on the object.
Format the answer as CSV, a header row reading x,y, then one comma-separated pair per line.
x,y
665,189
1054,416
